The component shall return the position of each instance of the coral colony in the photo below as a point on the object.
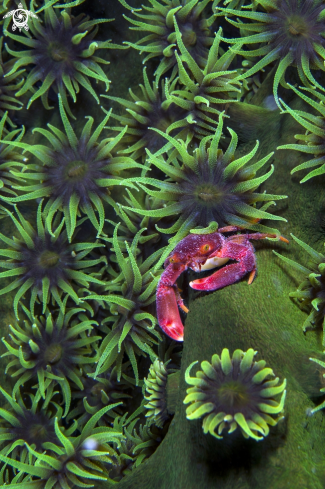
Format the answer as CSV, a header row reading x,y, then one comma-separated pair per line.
x,y
100,219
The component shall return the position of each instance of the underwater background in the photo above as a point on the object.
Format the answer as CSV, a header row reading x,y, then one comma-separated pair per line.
x,y
126,129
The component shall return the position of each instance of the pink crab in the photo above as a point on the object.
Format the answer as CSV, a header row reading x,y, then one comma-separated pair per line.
x,y
203,252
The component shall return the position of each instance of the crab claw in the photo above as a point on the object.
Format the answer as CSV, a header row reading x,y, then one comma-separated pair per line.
x,y
167,312
223,277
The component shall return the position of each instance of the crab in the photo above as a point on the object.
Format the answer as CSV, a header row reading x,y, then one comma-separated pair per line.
x,y
203,252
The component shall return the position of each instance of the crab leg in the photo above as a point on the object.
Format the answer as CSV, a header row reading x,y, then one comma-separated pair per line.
x,y
168,300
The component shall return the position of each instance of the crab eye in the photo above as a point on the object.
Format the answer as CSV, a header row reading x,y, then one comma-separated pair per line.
x,y
205,248
173,259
